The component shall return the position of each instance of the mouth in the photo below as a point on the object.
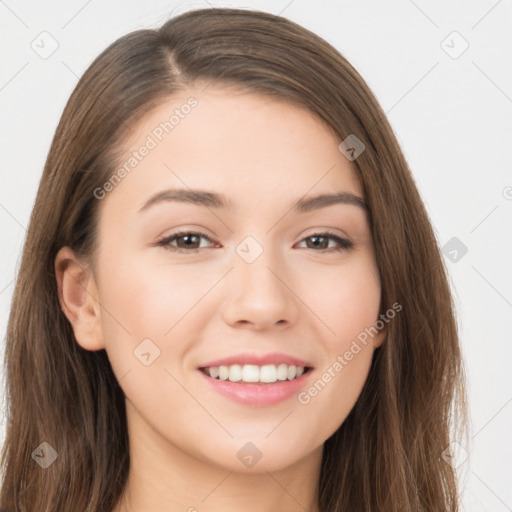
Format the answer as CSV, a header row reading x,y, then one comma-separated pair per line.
x,y
265,375
257,386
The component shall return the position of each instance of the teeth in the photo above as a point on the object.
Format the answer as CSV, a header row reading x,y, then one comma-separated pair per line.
x,y
223,372
252,373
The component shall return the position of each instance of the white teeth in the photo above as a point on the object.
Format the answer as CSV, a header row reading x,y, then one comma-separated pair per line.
x,y
235,373
252,373
268,373
223,373
282,372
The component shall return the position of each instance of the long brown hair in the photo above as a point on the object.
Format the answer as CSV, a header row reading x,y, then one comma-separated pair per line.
x,y
388,453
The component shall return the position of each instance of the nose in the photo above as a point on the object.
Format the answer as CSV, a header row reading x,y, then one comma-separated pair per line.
x,y
260,294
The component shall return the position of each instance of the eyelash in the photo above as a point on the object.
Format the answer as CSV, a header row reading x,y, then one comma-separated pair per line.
x,y
344,244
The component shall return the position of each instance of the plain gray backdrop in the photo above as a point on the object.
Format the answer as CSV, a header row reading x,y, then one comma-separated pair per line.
x,y
439,71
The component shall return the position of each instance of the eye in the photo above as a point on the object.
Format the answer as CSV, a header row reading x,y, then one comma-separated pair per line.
x,y
321,240
187,241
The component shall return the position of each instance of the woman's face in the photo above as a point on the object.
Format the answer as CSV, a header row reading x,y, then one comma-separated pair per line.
x,y
257,277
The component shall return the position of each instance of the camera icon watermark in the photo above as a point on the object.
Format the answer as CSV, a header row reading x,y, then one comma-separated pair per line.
x,y
454,249
351,147
454,45
45,455
146,352
455,454
45,45
249,455
249,249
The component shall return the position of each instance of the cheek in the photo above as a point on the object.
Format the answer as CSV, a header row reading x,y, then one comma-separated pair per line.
x,y
348,305
161,302
144,321
346,300
353,317
148,300
332,394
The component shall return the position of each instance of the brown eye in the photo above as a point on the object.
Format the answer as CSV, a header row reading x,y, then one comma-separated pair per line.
x,y
190,241
321,241
187,241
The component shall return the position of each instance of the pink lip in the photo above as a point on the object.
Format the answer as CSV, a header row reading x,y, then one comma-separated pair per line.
x,y
260,360
258,395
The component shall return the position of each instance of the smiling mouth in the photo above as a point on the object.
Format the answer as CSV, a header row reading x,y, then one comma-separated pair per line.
x,y
253,374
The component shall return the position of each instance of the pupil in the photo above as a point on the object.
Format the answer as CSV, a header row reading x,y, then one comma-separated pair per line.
x,y
317,238
187,239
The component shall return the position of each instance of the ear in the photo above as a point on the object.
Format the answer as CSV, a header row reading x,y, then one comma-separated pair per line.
x,y
378,340
78,297
380,337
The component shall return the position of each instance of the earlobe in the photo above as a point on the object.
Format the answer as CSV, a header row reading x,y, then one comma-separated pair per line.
x,y
78,299
379,339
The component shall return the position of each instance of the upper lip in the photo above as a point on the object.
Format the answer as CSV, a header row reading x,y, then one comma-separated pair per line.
x,y
257,359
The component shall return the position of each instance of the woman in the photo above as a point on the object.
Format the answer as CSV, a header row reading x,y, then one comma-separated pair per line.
x,y
303,355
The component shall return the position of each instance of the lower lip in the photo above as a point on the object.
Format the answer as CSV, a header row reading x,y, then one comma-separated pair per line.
x,y
258,394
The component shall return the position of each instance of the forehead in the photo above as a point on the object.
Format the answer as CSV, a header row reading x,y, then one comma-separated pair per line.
x,y
250,147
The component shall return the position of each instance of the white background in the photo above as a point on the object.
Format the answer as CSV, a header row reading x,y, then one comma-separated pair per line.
x,y
452,117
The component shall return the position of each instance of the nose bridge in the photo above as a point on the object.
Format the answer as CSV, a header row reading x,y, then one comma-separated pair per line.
x,y
258,295
254,258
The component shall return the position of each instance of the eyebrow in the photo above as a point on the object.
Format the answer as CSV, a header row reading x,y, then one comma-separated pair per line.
x,y
219,201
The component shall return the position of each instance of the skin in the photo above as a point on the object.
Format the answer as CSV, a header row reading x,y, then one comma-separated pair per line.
x,y
263,155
